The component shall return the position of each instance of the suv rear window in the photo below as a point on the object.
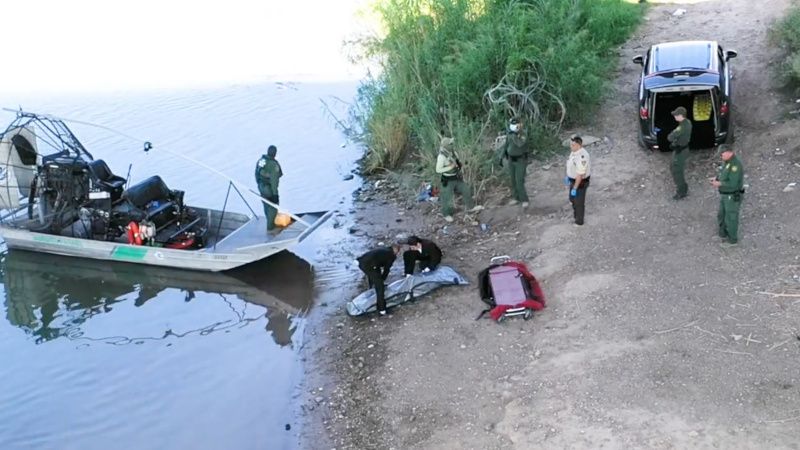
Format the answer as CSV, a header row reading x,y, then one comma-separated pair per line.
x,y
689,56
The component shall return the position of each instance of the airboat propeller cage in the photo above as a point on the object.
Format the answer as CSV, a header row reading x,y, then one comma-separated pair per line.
x,y
19,153
19,158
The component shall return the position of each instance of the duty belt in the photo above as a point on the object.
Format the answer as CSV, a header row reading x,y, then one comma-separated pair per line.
x,y
584,182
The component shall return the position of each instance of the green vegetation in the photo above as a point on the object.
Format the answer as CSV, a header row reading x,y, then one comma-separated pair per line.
x,y
461,68
786,34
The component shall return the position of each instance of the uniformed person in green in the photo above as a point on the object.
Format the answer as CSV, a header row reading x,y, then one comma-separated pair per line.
x,y
679,143
449,168
516,150
730,184
268,174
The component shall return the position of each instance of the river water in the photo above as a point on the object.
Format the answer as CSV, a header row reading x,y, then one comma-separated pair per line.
x,y
99,355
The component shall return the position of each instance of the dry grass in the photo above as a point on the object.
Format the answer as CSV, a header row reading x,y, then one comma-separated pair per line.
x,y
389,143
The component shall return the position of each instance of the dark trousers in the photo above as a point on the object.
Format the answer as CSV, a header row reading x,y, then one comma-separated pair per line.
x,y
517,171
678,168
410,258
269,212
449,188
375,279
579,201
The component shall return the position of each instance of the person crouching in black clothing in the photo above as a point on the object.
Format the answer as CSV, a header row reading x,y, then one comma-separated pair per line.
x,y
376,265
426,252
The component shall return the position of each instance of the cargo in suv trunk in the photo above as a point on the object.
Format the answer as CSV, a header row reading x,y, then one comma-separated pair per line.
x,y
701,107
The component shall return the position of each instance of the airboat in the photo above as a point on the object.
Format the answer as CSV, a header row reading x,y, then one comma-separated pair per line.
x,y
63,201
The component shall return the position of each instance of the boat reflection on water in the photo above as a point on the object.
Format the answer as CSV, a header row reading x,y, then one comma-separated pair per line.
x,y
51,296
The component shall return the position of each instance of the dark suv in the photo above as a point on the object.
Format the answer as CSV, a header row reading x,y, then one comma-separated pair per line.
x,y
692,74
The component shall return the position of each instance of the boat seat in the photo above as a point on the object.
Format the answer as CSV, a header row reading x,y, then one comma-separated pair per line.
x,y
106,180
155,200
146,191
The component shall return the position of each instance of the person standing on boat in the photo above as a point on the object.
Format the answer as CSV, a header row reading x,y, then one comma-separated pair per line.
x,y
268,174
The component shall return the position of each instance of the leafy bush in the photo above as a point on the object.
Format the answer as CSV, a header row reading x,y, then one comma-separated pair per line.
x,y
786,33
461,68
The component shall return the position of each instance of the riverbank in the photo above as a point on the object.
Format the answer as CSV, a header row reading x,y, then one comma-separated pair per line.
x,y
654,336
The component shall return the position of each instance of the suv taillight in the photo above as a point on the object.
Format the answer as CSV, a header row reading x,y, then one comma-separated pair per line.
x,y
723,110
644,113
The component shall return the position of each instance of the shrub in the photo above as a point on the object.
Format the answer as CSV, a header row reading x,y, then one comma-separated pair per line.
x,y
786,34
461,68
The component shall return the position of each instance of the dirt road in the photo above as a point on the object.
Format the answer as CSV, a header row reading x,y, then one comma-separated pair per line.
x,y
654,335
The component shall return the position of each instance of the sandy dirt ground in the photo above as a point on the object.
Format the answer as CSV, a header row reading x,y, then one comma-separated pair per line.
x,y
654,336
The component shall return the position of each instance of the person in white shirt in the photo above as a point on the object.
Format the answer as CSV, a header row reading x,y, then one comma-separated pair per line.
x,y
579,169
449,168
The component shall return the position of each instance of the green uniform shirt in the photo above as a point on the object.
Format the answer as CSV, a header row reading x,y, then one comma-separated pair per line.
x,y
516,145
680,136
731,176
268,173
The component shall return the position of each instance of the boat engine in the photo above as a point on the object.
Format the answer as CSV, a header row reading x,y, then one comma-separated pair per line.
x,y
62,185
73,202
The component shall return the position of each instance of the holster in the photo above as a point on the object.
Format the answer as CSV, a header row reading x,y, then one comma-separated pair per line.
x,y
584,183
445,179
